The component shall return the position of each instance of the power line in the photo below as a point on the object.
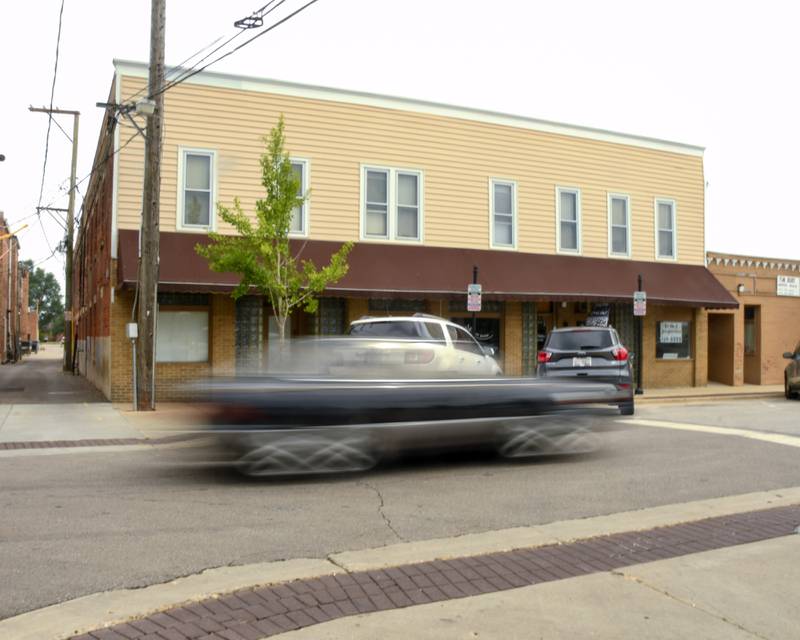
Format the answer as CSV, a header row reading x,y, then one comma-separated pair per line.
x,y
52,95
97,165
179,66
185,73
235,49
62,128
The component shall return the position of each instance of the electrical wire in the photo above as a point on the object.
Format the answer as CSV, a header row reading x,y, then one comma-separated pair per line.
x,y
186,73
178,68
60,127
237,48
52,95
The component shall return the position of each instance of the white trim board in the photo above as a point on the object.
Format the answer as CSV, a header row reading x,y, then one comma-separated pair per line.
x,y
313,92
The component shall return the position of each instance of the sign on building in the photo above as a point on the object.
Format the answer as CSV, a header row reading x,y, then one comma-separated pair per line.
x,y
639,303
473,297
788,286
599,316
670,332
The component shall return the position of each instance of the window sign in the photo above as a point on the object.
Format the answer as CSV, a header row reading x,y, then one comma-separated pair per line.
x,y
673,341
788,286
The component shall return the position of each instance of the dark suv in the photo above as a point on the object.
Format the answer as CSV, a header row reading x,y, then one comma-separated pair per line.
x,y
791,375
593,353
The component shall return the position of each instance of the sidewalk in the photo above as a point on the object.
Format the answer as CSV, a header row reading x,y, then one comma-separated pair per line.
x,y
722,568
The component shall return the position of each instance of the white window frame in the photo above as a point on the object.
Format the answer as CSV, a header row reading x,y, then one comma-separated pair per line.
x,y
671,202
513,184
577,192
628,226
306,206
212,214
392,213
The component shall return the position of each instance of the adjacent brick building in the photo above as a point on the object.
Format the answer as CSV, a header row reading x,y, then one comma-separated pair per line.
x,y
746,345
13,295
29,315
9,277
557,218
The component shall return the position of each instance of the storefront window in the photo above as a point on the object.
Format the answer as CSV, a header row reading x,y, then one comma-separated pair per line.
x,y
182,336
673,340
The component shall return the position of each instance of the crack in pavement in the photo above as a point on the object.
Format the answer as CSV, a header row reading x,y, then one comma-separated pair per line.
x,y
383,515
663,592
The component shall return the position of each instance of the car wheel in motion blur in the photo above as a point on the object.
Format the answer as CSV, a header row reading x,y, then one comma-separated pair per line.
x,y
307,452
536,438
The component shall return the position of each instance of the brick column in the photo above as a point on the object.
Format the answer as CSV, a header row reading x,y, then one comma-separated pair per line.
x,y
121,361
512,341
700,347
223,335
356,307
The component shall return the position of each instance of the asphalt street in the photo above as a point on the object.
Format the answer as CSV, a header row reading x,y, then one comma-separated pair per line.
x,y
77,523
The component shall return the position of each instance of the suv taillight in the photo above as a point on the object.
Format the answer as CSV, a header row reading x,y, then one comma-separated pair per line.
x,y
544,356
620,353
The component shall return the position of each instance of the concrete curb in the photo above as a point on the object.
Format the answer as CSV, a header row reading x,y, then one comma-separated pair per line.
x,y
707,398
61,621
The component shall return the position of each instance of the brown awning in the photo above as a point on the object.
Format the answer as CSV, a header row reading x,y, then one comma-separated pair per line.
x,y
414,271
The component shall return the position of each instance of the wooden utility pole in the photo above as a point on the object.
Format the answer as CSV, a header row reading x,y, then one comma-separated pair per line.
x,y
149,240
69,337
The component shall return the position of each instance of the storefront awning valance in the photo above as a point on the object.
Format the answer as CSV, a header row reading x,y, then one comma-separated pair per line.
x,y
415,271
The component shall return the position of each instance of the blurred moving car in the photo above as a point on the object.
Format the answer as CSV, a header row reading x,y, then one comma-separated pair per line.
x,y
592,353
444,347
273,426
791,375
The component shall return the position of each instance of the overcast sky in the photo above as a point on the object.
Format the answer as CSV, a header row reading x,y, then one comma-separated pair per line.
x,y
719,75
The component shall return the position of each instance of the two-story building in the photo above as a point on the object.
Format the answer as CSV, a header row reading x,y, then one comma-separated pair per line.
x,y
557,219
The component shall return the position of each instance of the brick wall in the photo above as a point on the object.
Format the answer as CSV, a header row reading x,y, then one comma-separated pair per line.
x,y
29,320
658,373
171,377
9,282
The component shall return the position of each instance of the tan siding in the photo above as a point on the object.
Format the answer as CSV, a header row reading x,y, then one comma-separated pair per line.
x,y
457,157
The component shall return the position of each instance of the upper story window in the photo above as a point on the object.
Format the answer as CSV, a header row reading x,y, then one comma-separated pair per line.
x,y
391,204
196,193
665,229
568,214
299,223
619,225
503,203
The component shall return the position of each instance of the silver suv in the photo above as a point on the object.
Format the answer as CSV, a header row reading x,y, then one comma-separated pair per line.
x,y
425,345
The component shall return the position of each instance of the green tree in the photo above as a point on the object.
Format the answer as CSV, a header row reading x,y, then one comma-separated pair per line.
x,y
44,291
260,254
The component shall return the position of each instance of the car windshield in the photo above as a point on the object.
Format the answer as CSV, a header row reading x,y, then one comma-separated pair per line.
x,y
579,340
392,329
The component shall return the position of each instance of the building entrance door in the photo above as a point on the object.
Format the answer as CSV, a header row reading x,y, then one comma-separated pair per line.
x,y
721,339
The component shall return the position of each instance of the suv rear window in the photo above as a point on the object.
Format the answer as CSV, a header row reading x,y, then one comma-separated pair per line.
x,y
579,340
390,329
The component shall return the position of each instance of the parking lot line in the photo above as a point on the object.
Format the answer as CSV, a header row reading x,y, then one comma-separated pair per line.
x,y
774,438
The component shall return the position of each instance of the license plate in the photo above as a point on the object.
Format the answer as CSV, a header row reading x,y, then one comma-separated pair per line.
x,y
581,362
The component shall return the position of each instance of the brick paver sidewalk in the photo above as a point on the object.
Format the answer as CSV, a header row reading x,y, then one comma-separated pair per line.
x,y
255,613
